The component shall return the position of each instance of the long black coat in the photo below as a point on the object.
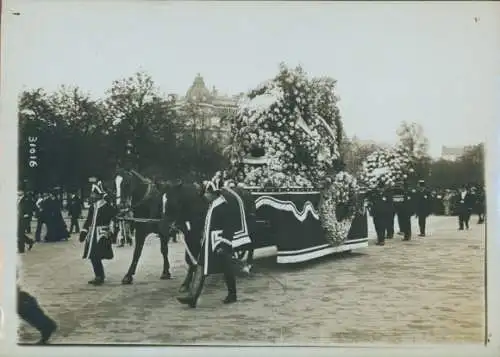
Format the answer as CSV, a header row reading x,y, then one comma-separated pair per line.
x,y
75,207
423,202
380,204
98,243
464,205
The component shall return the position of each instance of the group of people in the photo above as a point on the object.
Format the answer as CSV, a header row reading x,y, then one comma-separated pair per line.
x,y
47,208
444,201
387,203
96,234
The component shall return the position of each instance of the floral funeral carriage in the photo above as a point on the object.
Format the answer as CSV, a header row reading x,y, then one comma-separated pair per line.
x,y
285,151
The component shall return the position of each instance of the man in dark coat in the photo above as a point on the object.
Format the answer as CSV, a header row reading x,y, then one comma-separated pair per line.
x,y
423,206
395,196
22,239
75,207
464,202
251,220
381,209
27,206
225,228
96,233
29,310
402,203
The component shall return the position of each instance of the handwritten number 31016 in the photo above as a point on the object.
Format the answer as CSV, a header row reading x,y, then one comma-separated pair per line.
x,y
33,158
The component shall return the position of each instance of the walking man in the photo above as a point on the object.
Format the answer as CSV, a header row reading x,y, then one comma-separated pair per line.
x,y
402,199
96,233
464,202
75,208
381,209
22,238
423,205
223,230
29,310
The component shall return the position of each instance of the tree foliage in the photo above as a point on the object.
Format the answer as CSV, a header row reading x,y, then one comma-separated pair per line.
x,y
78,137
412,139
355,152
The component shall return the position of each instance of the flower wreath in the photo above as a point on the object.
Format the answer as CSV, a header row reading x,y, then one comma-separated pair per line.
x,y
337,206
386,167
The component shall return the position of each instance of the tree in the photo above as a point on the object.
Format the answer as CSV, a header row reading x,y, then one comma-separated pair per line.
x,y
136,112
39,129
83,139
444,174
355,152
471,165
412,139
468,169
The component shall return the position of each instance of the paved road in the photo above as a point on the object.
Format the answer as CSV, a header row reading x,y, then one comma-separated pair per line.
x,y
425,290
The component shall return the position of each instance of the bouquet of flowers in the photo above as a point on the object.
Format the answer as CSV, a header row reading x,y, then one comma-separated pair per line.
x,y
291,121
386,167
337,206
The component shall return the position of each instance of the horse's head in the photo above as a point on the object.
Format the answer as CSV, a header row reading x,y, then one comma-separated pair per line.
x,y
182,202
129,187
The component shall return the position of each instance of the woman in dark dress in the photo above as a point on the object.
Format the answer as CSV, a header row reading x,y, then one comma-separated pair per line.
x,y
56,227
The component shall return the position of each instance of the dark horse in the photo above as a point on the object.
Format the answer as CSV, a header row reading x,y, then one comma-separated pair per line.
x,y
145,200
186,208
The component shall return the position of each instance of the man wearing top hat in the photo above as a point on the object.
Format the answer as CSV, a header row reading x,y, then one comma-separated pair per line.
x,y
423,206
464,202
96,233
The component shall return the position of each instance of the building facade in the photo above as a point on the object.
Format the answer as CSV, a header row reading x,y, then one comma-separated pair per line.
x,y
206,111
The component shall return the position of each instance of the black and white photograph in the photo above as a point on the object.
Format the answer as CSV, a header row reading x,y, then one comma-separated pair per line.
x,y
250,173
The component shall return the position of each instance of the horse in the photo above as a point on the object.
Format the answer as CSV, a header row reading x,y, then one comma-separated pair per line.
x,y
186,208
144,199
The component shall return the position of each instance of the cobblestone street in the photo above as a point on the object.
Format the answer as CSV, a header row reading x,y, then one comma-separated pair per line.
x,y
427,290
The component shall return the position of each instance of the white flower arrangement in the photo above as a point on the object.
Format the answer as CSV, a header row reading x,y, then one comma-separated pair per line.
x,y
338,194
386,167
291,119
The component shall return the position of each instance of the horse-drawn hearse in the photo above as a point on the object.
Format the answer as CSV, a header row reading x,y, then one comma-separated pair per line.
x,y
288,219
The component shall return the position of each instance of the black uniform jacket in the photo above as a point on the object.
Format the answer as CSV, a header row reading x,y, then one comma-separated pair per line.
x,y
97,225
380,204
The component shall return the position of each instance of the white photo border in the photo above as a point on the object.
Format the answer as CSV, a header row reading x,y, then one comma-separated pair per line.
x,y
8,189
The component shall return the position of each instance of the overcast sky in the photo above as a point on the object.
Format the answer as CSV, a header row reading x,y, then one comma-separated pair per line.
x,y
428,62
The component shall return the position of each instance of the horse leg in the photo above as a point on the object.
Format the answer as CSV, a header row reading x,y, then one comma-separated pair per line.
x,y
189,277
165,275
140,238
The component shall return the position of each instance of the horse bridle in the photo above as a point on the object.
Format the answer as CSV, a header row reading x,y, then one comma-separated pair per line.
x,y
147,194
